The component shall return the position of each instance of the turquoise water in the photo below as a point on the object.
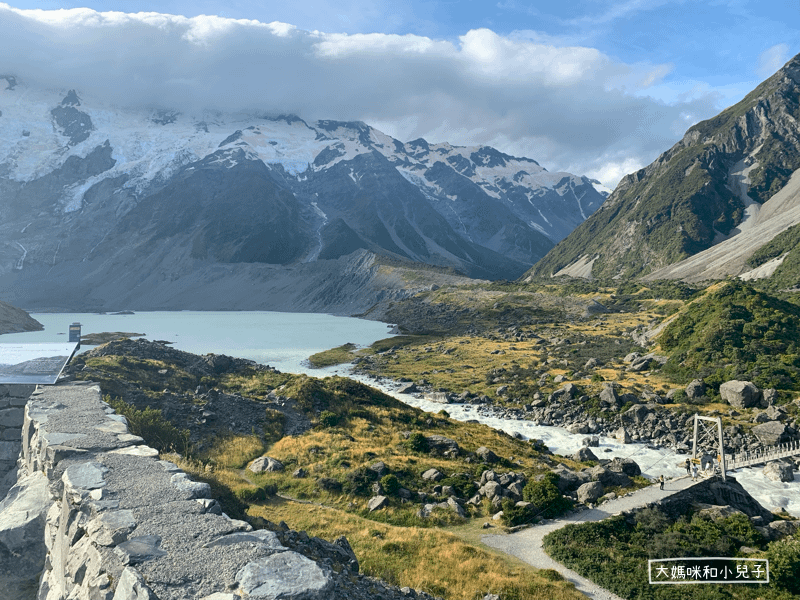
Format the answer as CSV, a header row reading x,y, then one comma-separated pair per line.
x,y
281,340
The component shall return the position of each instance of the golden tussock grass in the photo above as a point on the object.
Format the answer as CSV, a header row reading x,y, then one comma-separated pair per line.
x,y
430,559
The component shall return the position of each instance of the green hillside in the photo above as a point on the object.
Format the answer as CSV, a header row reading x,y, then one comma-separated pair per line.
x,y
674,208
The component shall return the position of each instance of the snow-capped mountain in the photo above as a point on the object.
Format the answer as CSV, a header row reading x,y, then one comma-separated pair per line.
x,y
89,192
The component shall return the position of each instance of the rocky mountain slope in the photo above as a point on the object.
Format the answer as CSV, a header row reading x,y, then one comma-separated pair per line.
x,y
713,185
13,320
111,207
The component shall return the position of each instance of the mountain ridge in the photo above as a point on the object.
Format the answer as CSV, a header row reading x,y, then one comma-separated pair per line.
x,y
89,189
696,194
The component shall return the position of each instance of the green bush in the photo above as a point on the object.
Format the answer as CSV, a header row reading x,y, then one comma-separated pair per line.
x,y
784,564
418,442
545,496
390,484
149,424
517,515
328,419
359,482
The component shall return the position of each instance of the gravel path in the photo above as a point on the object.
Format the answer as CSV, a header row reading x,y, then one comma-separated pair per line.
x,y
527,544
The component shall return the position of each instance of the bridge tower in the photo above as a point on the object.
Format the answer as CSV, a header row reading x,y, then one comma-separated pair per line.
x,y
708,432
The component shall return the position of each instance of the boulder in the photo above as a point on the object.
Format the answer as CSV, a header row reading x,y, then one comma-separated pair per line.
x,y
491,490
590,492
591,442
696,389
715,513
627,466
266,464
440,397
779,471
609,395
567,392
590,364
583,455
285,575
488,475
410,388
22,535
486,455
608,477
622,436
456,507
770,433
433,475
768,397
740,394
443,445
378,468
637,413
569,481
377,503
577,428
775,413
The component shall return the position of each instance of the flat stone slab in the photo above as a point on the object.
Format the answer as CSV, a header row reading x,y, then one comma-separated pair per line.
x,y
285,576
139,549
85,476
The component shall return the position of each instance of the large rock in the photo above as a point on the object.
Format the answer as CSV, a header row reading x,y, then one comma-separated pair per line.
x,y
624,465
590,492
609,478
377,503
491,490
770,433
583,455
266,464
569,481
696,389
740,394
442,445
637,413
609,395
486,455
568,392
779,471
433,475
22,545
622,436
286,575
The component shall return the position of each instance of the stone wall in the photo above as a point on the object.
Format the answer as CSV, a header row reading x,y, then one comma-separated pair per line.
x,y
95,515
12,407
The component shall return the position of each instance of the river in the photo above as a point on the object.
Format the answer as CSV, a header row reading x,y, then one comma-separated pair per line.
x,y
286,340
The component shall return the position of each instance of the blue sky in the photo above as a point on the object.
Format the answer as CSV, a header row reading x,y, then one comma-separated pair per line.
x,y
590,86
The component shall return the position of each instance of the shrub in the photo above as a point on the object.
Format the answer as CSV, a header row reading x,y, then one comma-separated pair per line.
x,y
149,424
418,442
328,419
390,484
545,496
517,515
784,564
359,482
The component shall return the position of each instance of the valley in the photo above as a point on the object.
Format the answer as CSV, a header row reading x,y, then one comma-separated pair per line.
x,y
518,295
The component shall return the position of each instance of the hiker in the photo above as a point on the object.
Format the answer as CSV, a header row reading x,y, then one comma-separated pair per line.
x,y
661,482
688,467
694,472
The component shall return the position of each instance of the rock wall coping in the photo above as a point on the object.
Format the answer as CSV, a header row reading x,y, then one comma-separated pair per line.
x,y
95,515
99,516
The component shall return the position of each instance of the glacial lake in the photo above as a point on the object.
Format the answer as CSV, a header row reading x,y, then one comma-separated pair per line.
x,y
286,340
281,340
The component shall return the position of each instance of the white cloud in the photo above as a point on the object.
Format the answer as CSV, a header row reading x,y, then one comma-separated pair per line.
x,y
772,59
570,108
